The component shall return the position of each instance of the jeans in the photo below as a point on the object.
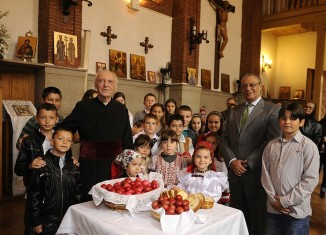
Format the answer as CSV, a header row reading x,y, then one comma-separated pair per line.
x,y
280,224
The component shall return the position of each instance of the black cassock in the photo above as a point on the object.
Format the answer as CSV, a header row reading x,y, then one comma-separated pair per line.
x,y
104,132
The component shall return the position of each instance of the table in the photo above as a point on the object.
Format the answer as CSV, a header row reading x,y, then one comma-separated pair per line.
x,y
87,219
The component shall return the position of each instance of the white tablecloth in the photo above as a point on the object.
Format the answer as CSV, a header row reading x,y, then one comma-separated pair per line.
x,y
87,219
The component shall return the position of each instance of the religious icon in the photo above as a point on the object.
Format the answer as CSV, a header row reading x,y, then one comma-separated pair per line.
x,y
118,63
191,76
23,110
225,82
100,66
206,79
151,76
285,92
65,50
138,67
298,94
26,47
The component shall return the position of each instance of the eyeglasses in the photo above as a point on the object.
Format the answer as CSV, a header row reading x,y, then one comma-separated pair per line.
x,y
309,107
251,85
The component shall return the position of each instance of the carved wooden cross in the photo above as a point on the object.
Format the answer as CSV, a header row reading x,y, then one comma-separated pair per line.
x,y
146,45
222,9
109,35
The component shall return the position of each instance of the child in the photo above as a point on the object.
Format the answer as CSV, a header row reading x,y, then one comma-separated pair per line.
x,y
119,96
200,177
290,174
168,163
196,124
34,147
184,146
137,128
149,100
213,124
158,110
130,163
218,162
186,112
55,187
170,108
143,147
150,123
51,95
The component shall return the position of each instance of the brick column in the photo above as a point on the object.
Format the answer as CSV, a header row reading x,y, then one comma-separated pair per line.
x,y
251,37
180,57
51,19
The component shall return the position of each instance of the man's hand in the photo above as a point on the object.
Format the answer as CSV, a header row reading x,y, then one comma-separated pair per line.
x,y
278,206
37,163
38,229
238,167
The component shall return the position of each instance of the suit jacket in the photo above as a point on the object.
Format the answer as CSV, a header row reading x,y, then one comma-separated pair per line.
x,y
248,144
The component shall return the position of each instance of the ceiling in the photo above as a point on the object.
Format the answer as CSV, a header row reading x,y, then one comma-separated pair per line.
x,y
286,30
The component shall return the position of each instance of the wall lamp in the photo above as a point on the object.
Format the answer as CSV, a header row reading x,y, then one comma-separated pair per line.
x,y
265,64
134,5
195,38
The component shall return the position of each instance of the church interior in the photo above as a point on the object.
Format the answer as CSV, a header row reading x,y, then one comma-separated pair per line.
x,y
193,51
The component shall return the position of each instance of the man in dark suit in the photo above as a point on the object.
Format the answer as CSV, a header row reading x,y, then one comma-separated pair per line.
x,y
249,127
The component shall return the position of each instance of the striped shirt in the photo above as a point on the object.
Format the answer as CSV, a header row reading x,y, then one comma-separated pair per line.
x,y
290,170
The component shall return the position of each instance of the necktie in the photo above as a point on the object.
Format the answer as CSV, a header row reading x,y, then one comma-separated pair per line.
x,y
245,115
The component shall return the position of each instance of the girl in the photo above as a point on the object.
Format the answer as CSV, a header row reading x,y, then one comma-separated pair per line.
x,y
200,177
129,164
170,108
196,124
213,124
168,163
120,97
218,162
158,110
143,146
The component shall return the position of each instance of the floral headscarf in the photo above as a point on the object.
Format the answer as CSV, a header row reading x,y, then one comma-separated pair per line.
x,y
124,158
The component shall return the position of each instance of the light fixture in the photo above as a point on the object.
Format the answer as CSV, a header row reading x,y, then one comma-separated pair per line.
x,y
195,38
265,63
134,5
67,3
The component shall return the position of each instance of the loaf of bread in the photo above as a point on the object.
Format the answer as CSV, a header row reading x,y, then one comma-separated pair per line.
x,y
183,193
194,202
208,203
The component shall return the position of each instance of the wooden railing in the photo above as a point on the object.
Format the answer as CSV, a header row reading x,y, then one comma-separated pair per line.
x,y
272,7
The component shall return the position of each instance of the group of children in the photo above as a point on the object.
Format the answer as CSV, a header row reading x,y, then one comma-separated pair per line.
x,y
171,142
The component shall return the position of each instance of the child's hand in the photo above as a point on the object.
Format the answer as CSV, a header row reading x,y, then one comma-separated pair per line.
x,y
37,163
75,161
38,229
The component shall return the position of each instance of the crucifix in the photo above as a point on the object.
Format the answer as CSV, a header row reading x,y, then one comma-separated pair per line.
x,y
222,9
109,35
146,45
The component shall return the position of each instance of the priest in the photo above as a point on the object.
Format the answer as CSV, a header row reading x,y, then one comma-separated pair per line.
x,y
104,130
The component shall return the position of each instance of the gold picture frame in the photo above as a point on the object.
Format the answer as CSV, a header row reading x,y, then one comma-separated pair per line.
x,y
192,76
206,79
26,47
298,94
100,66
118,63
151,76
137,67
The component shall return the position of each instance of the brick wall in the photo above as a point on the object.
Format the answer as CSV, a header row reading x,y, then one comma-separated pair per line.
x,y
51,19
250,37
180,56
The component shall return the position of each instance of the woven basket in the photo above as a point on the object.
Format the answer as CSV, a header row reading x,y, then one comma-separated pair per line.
x,y
115,207
155,215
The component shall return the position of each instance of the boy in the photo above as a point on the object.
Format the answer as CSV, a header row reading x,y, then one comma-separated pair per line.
x,y
149,100
34,147
55,187
149,125
184,147
290,174
186,112
137,128
51,95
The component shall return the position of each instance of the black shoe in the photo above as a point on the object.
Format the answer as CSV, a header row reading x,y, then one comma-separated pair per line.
x,y
322,195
